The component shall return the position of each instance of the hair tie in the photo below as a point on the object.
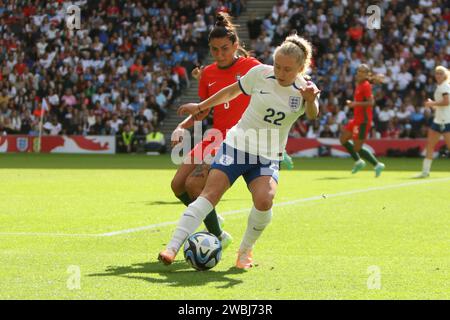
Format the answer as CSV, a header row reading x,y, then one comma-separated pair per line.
x,y
299,45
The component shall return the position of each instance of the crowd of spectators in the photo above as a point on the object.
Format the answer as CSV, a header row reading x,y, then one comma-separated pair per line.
x,y
118,73
131,59
413,39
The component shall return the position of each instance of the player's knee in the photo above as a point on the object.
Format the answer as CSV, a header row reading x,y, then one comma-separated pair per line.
x,y
263,205
193,187
263,202
343,139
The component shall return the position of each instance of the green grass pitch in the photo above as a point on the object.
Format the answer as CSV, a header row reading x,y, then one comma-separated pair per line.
x,y
90,227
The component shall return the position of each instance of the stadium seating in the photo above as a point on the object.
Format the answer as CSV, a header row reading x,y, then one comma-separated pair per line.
x,y
130,61
413,38
126,65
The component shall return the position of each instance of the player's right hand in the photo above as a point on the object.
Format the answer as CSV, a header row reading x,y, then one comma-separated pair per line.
x,y
177,136
188,108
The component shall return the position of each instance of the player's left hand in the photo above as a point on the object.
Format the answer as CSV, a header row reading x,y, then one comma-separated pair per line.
x,y
429,103
197,73
310,92
188,108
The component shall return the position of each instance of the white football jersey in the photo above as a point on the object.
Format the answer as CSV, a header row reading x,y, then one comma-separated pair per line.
x,y
264,127
442,114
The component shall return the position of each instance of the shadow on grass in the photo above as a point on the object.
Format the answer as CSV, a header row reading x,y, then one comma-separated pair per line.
x,y
164,162
162,202
414,178
151,203
333,178
179,274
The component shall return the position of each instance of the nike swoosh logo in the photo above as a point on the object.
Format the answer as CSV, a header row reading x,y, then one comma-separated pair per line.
x,y
263,92
211,84
257,229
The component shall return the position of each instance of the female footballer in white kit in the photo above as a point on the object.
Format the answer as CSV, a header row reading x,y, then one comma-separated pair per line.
x,y
278,97
441,122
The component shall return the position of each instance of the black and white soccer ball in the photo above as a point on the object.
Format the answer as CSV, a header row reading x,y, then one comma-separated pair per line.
x,y
202,251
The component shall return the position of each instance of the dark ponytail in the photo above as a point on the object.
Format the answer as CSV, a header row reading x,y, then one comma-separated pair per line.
x,y
224,28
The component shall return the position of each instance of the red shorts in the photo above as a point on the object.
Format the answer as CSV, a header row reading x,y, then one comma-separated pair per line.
x,y
360,130
204,151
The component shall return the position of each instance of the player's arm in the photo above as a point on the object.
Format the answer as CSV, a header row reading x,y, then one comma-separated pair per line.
x,y
312,109
366,103
224,95
368,100
311,96
443,103
187,123
378,78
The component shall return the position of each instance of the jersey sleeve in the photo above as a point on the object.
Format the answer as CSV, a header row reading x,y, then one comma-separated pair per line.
x,y
247,82
445,89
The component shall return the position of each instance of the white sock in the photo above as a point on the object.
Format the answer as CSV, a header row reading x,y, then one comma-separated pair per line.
x,y
191,219
257,222
426,165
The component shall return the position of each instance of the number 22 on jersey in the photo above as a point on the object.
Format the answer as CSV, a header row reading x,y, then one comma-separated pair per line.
x,y
271,113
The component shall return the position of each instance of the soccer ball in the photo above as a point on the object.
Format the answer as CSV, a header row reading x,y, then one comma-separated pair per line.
x,y
202,251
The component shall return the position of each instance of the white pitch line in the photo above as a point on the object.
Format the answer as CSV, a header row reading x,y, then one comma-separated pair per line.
x,y
48,234
152,226
283,204
227,213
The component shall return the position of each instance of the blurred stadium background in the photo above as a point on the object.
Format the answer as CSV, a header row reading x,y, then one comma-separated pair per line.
x,y
126,70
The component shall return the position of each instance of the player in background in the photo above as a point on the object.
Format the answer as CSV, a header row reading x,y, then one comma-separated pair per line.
x,y
358,128
231,62
278,97
441,122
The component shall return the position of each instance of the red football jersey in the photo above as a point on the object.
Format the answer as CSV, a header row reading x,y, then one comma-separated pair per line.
x,y
214,79
363,92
